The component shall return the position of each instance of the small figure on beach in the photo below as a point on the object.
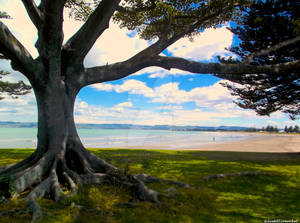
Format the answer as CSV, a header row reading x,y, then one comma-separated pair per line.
x,y
214,139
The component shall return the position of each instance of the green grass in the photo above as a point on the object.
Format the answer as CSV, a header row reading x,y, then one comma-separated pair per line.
x,y
233,199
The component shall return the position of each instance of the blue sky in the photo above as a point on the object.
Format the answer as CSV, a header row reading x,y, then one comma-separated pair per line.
x,y
151,96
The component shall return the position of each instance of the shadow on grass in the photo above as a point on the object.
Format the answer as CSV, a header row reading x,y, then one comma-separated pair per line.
x,y
233,199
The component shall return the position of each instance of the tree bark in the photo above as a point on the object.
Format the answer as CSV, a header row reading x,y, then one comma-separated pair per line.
x,y
60,157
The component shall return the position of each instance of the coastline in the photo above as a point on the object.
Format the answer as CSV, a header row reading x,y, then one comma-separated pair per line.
x,y
209,141
272,143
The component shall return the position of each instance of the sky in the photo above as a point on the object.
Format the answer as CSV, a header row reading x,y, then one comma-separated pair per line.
x,y
152,96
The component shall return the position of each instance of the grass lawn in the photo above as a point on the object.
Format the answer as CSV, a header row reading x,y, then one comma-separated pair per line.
x,y
275,195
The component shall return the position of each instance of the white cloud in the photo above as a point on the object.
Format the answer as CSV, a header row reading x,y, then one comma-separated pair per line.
x,y
131,86
83,104
214,103
114,46
22,109
170,93
125,105
157,72
122,107
126,112
209,43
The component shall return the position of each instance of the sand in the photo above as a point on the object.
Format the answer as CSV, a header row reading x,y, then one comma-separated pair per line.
x,y
273,143
262,143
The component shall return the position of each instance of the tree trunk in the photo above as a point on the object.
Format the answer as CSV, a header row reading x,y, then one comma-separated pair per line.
x,y
60,157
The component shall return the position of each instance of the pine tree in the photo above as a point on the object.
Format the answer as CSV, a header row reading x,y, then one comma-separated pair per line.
x,y
264,25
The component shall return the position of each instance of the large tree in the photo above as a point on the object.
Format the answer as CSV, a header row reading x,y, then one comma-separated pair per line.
x,y
58,74
266,25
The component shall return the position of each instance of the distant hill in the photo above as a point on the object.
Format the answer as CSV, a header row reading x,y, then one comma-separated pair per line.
x,y
18,124
129,126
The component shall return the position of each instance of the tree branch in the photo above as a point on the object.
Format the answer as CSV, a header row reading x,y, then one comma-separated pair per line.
x,y
34,13
149,57
50,34
12,49
134,64
271,49
82,41
225,71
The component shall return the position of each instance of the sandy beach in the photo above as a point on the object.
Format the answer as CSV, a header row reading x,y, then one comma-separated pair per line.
x,y
273,143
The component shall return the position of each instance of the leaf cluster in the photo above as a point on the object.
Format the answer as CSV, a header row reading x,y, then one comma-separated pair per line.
x,y
176,17
13,89
4,15
81,9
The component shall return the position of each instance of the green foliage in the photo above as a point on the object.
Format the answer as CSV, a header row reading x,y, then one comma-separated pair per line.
x,y
80,9
263,25
270,128
13,89
252,129
292,129
156,18
232,199
176,17
4,15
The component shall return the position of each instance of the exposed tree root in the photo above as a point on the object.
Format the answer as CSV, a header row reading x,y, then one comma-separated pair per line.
x,y
223,175
44,177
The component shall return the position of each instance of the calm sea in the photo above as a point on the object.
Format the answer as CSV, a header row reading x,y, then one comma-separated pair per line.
x,y
123,138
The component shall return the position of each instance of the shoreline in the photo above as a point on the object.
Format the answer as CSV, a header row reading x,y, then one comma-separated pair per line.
x,y
256,142
272,143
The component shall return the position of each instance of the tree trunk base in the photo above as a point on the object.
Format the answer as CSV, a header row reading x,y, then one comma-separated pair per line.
x,y
44,177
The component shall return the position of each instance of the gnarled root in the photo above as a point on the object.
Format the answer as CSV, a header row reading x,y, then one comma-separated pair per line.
x,y
45,176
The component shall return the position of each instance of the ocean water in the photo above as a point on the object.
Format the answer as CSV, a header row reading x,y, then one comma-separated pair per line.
x,y
123,138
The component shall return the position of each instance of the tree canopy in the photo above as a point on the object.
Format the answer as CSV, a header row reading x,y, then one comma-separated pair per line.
x,y
268,25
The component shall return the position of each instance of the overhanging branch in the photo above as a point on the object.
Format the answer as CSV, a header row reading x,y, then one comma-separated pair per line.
x,y
221,70
12,49
225,71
